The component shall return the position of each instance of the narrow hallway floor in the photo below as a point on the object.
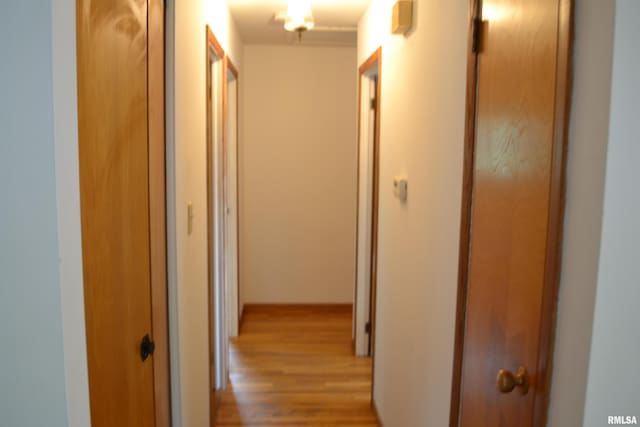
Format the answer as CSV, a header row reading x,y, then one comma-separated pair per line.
x,y
294,366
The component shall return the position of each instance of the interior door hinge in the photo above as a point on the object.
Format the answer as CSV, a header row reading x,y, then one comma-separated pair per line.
x,y
367,328
477,35
373,103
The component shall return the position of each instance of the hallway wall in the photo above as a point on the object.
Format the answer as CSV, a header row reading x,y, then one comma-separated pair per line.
x,y
32,369
421,137
298,174
186,183
418,253
615,347
588,135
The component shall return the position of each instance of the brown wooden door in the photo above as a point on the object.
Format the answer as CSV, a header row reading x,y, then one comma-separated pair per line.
x,y
114,154
515,214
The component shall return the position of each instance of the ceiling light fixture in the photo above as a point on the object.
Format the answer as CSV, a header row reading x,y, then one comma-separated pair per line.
x,y
299,17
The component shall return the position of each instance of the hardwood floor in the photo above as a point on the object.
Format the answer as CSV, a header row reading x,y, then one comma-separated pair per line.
x,y
294,366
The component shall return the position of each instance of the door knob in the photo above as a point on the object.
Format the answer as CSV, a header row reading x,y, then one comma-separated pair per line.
x,y
506,381
147,347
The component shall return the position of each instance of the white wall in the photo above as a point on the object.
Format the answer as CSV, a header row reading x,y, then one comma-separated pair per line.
x,y
186,182
422,133
416,316
32,365
298,174
589,128
615,348
69,226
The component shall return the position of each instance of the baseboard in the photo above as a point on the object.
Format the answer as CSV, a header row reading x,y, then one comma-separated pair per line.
x,y
320,307
375,412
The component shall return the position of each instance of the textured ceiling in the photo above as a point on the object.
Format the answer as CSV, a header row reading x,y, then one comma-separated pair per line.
x,y
255,22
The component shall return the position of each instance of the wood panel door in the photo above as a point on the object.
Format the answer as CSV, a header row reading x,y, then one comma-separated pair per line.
x,y
120,178
516,211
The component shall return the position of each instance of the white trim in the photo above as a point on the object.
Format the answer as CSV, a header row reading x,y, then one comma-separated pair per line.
x,y
68,209
172,230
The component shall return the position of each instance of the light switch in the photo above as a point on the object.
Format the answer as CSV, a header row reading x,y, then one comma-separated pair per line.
x,y
189,218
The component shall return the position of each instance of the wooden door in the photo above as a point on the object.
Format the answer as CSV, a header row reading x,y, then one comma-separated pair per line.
x,y
115,126
516,211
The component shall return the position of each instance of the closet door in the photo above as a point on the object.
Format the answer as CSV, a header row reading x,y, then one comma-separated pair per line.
x,y
516,212
113,125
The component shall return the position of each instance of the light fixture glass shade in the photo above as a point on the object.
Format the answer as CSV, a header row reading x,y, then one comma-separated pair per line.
x,y
299,17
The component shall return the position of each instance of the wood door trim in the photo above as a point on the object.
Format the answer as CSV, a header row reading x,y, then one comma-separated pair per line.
x,y
465,217
236,75
211,42
158,211
357,235
564,80
556,214
232,67
374,219
376,57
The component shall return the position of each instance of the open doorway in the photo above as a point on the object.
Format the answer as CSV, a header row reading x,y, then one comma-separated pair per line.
x,y
367,210
216,219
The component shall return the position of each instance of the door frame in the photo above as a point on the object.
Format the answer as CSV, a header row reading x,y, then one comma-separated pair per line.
x,y
213,46
156,60
374,59
562,106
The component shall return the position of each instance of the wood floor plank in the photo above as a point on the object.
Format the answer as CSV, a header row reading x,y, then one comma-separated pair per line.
x,y
293,366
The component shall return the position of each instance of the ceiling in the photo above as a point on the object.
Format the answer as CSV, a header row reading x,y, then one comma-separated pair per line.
x,y
255,21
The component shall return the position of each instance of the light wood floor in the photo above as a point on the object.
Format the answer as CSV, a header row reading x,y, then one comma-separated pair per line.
x,y
294,366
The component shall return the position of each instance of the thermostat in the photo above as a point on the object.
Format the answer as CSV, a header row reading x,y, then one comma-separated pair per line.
x,y
400,188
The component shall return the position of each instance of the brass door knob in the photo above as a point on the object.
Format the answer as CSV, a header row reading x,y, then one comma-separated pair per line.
x,y
506,381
